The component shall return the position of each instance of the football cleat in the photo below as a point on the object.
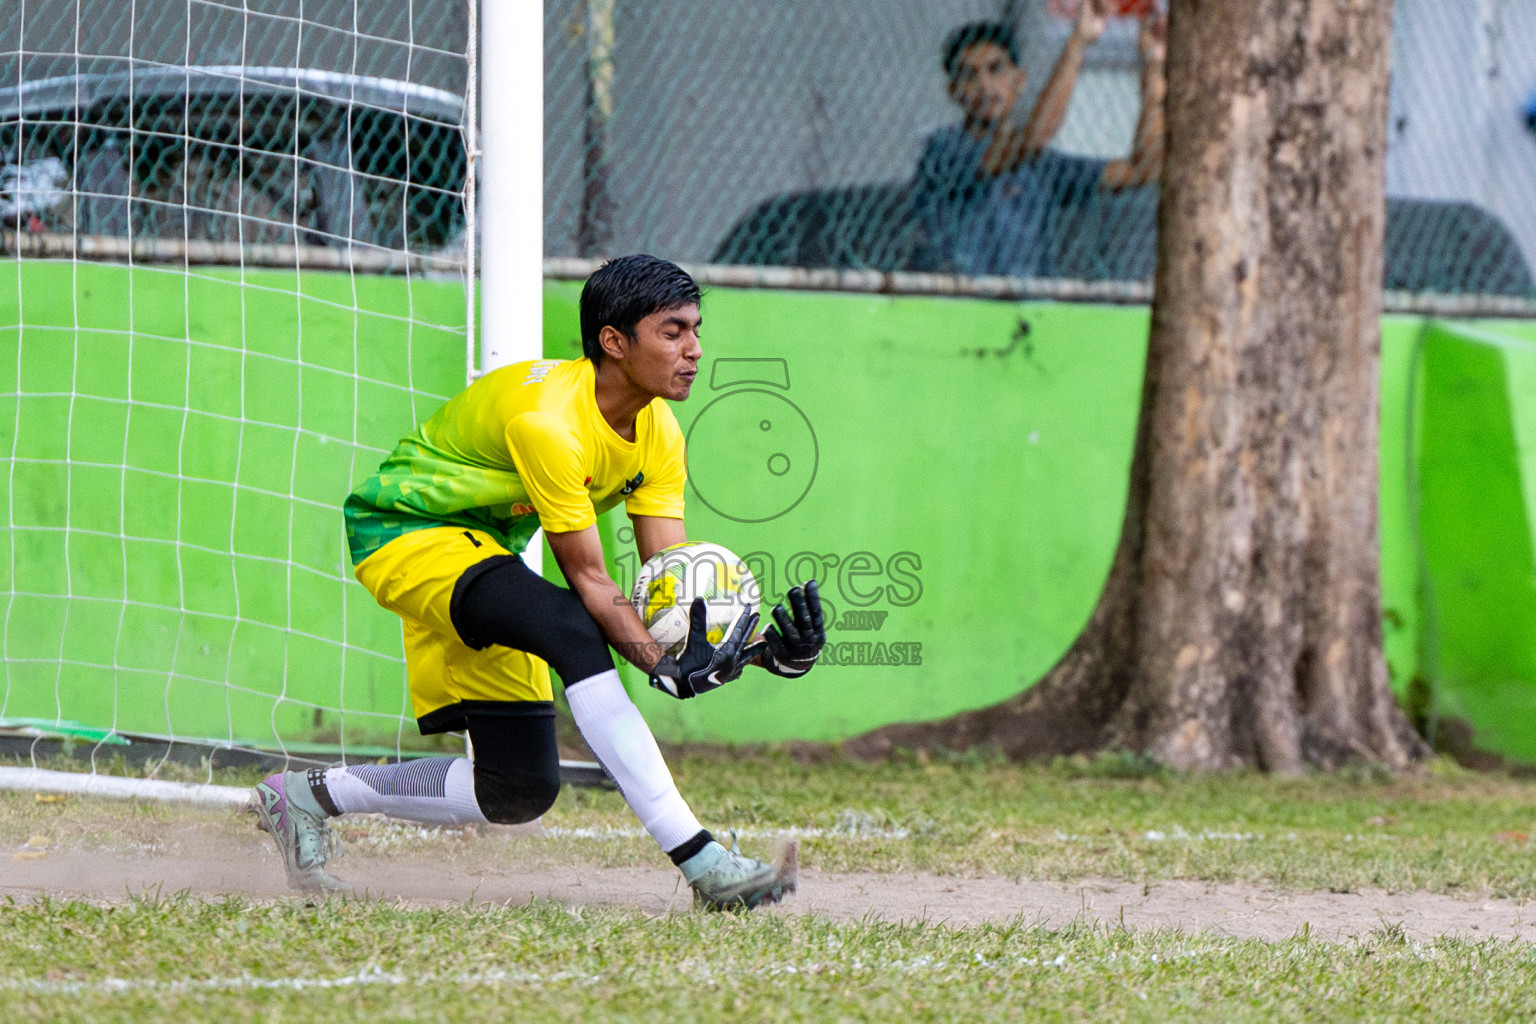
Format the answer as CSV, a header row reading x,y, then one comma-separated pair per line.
x,y
727,880
303,837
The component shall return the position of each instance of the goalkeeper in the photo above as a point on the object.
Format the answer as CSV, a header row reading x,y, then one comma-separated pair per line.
x,y
435,536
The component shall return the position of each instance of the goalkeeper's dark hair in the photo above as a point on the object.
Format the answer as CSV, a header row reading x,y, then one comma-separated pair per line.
x,y
974,34
624,291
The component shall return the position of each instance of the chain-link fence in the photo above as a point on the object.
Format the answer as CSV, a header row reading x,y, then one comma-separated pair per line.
x,y
815,133
802,133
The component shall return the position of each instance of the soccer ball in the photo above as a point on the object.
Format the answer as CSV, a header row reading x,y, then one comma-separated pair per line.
x,y
671,579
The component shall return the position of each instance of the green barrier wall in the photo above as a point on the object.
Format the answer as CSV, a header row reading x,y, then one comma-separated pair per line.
x,y
982,446
179,441
957,488
953,470
1477,515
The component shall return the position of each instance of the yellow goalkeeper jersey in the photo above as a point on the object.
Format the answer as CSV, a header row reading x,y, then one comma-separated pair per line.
x,y
524,446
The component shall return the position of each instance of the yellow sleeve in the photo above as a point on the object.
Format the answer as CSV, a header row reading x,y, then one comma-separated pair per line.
x,y
666,469
548,457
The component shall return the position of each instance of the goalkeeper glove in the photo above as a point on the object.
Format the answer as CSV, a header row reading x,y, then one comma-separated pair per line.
x,y
702,666
795,642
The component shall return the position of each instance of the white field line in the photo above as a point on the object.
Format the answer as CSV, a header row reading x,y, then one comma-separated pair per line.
x,y
861,831
43,780
611,832
693,970
856,827
247,983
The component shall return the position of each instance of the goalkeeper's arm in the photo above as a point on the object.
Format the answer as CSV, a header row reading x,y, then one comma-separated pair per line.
x,y
701,666
580,556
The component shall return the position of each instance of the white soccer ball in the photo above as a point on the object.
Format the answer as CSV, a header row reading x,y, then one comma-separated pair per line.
x,y
671,579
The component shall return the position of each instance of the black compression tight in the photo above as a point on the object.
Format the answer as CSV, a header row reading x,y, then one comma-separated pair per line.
x,y
509,604
517,762
517,765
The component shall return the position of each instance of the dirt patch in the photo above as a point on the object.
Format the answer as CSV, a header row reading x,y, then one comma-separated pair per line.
x,y
211,861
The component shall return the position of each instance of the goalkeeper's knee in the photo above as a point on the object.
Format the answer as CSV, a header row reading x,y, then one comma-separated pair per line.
x,y
514,799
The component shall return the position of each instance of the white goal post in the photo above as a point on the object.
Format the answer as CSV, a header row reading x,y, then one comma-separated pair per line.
x,y
510,133
240,253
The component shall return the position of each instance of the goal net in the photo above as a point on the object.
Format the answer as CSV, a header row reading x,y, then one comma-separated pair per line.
x,y
233,274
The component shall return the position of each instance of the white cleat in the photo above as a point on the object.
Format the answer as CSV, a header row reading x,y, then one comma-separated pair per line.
x,y
303,838
726,880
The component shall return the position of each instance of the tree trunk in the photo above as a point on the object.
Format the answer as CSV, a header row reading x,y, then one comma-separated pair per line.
x,y
1241,621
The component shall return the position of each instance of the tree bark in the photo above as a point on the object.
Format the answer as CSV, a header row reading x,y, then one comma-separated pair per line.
x,y
1241,620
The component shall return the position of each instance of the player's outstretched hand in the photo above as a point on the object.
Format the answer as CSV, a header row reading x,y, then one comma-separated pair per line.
x,y
794,642
1092,19
703,666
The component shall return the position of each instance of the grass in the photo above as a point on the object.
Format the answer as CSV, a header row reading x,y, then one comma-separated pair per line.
x,y
183,959
1445,830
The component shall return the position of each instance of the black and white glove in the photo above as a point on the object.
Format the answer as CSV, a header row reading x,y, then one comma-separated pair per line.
x,y
795,641
703,666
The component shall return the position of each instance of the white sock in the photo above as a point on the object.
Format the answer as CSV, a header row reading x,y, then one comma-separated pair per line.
x,y
618,735
431,790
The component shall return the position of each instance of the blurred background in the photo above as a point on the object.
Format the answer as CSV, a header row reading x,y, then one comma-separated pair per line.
x,y
236,270
726,133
